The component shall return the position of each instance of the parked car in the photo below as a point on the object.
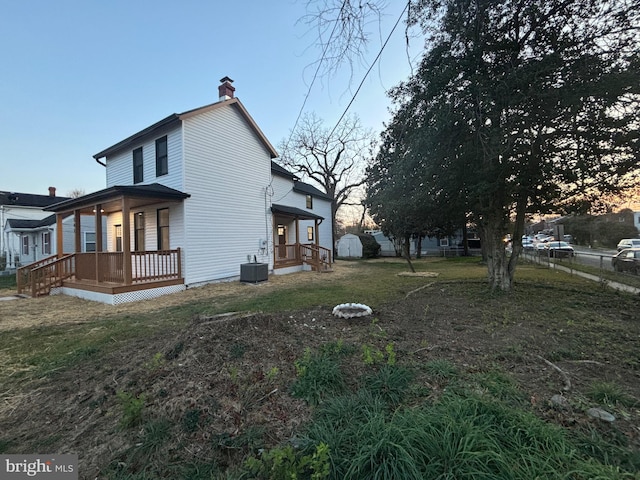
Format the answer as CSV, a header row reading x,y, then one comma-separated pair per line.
x,y
627,260
527,244
559,249
628,243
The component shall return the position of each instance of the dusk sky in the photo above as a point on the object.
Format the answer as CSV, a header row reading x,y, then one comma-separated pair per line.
x,y
77,76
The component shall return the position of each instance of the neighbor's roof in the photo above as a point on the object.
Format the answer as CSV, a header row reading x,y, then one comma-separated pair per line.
x,y
175,119
28,199
295,212
19,224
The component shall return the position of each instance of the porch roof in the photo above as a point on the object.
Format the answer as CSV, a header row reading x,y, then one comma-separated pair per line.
x,y
295,212
110,198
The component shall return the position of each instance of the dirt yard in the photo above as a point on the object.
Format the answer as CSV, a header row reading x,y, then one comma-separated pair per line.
x,y
229,374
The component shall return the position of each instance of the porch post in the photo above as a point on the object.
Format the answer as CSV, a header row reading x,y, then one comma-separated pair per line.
x,y
76,227
316,230
98,220
59,236
297,240
126,241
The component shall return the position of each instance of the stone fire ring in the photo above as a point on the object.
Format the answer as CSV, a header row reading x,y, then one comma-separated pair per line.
x,y
351,310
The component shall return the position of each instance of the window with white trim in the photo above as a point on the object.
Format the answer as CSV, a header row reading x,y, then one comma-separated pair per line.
x,y
89,241
25,245
310,234
46,243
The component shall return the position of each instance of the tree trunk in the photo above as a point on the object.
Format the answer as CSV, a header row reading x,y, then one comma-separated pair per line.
x,y
419,247
500,276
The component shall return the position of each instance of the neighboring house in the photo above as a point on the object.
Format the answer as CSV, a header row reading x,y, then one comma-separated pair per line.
x,y
33,240
188,200
24,228
428,245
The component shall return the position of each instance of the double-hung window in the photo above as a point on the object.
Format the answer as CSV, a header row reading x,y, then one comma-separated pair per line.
x,y
46,243
25,245
162,160
309,202
163,229
118,237
138,225
89,241
310,234
138,166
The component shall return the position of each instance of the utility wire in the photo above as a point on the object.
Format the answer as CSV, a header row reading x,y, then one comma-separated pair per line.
x,y
370,68
315,75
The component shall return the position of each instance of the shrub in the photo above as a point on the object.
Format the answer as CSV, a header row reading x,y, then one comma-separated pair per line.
x,y
131,408
370,248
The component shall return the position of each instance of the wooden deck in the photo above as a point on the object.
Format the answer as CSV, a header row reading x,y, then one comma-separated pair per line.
x,y
102,272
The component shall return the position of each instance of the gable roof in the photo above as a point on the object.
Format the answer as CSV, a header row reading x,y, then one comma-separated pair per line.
x,y
283,172
307,189
28,199
176,119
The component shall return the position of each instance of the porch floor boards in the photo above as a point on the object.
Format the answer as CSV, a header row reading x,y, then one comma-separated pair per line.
x,y
113,288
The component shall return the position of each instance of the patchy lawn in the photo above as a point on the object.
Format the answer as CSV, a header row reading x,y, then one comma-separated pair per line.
x,y
212,388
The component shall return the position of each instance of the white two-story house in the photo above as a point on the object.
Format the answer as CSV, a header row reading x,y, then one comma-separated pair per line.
x,y
190,199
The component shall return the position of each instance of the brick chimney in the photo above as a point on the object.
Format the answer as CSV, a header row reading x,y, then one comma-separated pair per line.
x,y
225,90
52,191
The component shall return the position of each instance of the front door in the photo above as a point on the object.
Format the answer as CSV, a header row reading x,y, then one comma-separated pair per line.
x,y
282,241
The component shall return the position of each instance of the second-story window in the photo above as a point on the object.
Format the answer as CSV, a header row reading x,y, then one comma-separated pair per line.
x,y
138,166
309,201
162,160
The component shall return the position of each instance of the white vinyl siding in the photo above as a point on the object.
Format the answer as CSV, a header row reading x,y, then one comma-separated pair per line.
x,y
227,171
120,165
176,226
283,194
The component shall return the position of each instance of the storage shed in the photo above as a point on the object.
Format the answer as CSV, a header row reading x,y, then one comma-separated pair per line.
x,y
349,245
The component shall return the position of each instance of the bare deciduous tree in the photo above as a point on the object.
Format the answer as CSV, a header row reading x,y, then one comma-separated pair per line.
x,y
76,192
334,160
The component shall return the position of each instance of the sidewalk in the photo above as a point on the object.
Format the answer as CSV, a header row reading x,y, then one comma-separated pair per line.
x,y
595,278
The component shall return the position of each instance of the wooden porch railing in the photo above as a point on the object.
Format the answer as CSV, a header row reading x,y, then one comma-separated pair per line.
x,y
318,257
41,276
297,254
101,267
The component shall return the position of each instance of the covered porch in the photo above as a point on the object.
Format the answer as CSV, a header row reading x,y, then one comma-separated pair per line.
x,y
293,248
129,271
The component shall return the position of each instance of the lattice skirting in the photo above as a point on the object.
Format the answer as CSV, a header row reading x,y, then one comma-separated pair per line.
x,y
117,299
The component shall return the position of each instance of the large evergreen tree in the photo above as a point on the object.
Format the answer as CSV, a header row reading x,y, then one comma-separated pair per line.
x,y
522,106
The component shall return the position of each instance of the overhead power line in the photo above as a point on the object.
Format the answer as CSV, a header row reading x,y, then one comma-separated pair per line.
x,y
315,75
370,68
